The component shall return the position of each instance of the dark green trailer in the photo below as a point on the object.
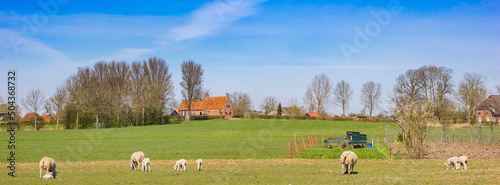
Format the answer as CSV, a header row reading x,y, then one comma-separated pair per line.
x,y
353,138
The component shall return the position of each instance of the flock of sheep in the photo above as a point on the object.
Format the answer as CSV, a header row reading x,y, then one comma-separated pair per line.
x,y
138,158
49,165
347,160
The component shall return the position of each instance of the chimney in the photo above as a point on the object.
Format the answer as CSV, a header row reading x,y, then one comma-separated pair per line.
x,y
206,96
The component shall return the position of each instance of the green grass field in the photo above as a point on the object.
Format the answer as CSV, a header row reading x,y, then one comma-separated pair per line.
x,y
235,152
213,139
266,171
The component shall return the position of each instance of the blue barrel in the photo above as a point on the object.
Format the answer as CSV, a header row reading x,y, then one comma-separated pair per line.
x,y
369,145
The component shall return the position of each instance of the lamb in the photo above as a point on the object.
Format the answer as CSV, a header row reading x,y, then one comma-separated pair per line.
x,y
180,164
136,159
199,162
349,159
453,161
49,165
145,164
48,176
462,162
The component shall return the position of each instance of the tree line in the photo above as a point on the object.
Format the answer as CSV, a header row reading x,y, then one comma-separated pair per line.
x,y
116,94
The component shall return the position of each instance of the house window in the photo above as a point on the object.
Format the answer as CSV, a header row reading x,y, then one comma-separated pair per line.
x,y
479,113
487,118
486,113
200,113
479,119
228,106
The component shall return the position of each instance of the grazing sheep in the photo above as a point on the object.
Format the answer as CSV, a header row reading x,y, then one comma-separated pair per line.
x,y
453,161
462,162
348,159
145,164
49,165
136,159
199,162
180,164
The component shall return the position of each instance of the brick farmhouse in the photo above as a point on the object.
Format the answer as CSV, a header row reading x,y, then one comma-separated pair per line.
x,y
489,110
211,106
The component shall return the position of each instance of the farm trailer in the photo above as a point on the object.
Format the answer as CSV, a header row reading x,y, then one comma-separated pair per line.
x,y
353,138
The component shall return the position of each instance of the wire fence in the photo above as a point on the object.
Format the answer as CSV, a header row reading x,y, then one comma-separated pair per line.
x,y
462,134
303,143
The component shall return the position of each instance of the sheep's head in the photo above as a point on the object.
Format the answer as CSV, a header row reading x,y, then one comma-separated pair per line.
x,y
175,167
132,165
447,165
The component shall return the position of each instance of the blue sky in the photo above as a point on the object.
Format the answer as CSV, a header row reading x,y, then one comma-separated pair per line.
x,y
263,48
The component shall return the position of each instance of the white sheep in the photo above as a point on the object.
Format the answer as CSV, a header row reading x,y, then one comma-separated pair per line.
x,y
452,161
199,162
348,159
145,164
49,165
462,162
180,164
136,159
48,176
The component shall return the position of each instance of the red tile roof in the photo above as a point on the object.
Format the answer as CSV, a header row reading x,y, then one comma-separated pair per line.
x,y
208,103
215,102
198,105
29,116
312,114
48,118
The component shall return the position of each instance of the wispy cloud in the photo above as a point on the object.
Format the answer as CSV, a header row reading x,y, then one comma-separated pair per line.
x,y
211,18
125,54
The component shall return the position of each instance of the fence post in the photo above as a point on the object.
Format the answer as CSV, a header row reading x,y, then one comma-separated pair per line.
x,y
304,143
289,151
453,134
310,141
385,138
295,140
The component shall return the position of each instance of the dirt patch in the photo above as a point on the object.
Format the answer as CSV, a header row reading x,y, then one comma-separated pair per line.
x,y
446,150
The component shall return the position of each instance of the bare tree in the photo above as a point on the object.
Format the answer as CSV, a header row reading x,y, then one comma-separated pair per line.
x,y
119,83
192,82
241,102
294,108
343,95
33,102
471,92
371,94
318,93
76,94
55,104
159,86
97,91
268,104
138,89
436,87
412,117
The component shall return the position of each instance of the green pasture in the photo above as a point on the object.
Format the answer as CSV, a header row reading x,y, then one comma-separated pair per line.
x,y
265,171
210,139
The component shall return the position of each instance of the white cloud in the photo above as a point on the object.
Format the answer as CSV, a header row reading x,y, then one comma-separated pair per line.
x,y
125,54
211,18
